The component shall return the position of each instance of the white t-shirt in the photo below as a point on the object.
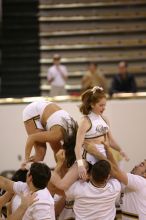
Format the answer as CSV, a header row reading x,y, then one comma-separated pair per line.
x,y
93,203
43,209
134,198
15,202
55,74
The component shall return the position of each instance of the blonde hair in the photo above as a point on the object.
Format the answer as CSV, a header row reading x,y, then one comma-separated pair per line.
x,y
89,97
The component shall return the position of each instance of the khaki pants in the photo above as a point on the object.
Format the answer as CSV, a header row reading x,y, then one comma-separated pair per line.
x,y
57,91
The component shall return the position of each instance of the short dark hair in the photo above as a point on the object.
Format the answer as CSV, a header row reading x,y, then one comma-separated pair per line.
x,y
100,171
41,174
20,175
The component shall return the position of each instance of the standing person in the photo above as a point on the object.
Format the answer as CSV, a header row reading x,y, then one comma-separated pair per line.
x,y
96,198
93,78
47,122
123,81
37,179
57,76
94,128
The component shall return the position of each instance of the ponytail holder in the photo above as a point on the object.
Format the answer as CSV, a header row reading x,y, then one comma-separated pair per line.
x,y
96,88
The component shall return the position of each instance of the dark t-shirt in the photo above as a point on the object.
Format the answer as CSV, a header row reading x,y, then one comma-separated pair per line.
x,y
126,84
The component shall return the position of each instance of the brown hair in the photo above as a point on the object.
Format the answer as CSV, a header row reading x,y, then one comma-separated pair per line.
x,y
70,141
89,97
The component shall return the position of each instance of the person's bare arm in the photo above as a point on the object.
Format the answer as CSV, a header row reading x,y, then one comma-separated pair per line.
x,y
113,144
6,197
91,149
83,127
59,205
70,177
26,201
116,172
41,137
6,184
64,75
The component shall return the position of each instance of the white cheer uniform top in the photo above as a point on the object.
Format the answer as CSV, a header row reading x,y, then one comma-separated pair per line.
x,y
98,126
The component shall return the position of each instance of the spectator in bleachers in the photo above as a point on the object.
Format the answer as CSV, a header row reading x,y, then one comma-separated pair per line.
x,y
123,81
93,78
57,76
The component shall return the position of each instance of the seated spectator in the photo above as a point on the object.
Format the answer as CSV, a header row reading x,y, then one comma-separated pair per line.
x,y
93,78
123,81
57,76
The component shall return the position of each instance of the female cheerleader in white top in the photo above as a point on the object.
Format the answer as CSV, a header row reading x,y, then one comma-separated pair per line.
x,y
47,122
93,128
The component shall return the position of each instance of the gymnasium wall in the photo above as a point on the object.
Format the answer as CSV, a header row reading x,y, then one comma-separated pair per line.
x,y
127,119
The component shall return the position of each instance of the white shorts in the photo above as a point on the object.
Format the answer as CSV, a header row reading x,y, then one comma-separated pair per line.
x,y
67,212
34,111
61,118
90,158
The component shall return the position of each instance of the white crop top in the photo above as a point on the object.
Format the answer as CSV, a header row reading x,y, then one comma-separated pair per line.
x,y
98,126
59,117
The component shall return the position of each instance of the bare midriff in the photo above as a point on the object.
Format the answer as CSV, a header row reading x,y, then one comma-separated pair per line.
x,y
97,140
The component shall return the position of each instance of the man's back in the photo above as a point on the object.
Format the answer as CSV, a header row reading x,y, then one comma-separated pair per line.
x,y
92,202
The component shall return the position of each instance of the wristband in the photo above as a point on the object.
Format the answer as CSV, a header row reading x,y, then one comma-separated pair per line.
x,y
80,163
